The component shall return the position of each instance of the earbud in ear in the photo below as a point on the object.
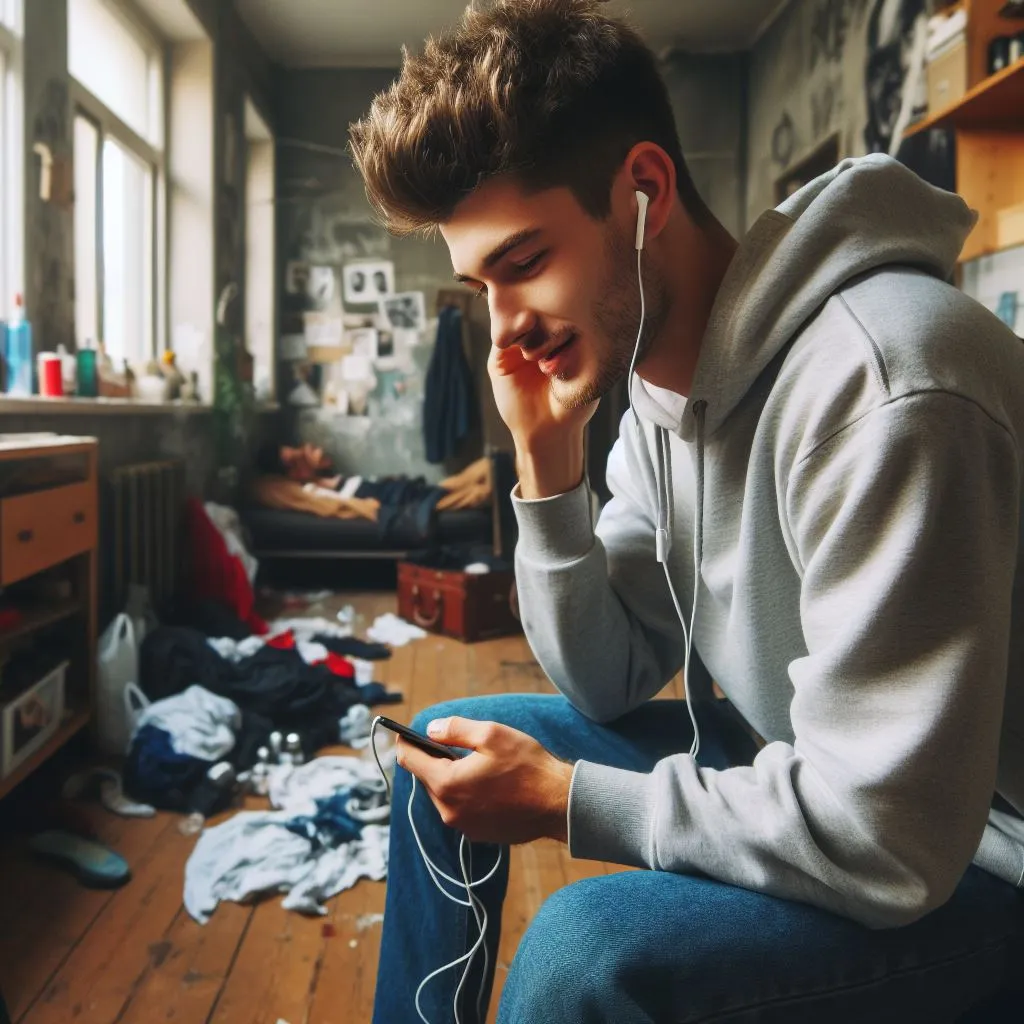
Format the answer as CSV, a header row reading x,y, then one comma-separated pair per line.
x,y
641,220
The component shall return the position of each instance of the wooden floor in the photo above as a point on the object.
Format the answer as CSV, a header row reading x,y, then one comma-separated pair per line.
x,y
135,956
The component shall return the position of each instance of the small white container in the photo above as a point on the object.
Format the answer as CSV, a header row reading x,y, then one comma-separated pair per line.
x,y
31,718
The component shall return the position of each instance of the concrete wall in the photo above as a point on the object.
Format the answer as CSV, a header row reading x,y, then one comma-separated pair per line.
x,y
708,93
324,218
240,68
807,83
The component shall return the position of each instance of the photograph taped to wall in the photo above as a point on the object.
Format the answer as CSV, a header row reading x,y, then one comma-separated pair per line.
x,y
407,310
322,288
368,283
363,342
406,338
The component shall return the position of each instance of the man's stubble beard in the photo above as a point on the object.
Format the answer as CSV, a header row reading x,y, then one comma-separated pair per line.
x,y
616,318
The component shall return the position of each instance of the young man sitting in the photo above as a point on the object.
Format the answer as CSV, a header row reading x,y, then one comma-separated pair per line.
x,y
816,504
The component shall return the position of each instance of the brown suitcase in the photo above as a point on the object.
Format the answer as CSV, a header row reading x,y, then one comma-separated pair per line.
x,y
462,605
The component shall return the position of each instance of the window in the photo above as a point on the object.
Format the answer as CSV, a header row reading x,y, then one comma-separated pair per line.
x,y
112,57
11,152
117,71
259,250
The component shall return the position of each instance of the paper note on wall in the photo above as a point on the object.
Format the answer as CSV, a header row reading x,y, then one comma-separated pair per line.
x,y
323,329
356,368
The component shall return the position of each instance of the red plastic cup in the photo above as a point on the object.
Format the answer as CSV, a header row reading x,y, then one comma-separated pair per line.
x,y
51,382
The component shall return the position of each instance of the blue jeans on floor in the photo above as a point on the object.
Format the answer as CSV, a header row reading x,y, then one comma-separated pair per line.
x,y
649,947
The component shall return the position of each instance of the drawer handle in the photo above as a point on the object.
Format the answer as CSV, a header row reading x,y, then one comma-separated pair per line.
x,y
79,517
25,536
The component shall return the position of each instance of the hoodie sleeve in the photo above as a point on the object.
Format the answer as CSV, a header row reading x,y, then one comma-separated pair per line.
x,y
904,526
594,604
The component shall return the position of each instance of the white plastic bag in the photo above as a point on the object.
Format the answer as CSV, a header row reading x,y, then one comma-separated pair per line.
x,y
118,665
135,703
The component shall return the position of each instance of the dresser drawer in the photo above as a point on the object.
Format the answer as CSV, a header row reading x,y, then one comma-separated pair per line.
x,y
44,528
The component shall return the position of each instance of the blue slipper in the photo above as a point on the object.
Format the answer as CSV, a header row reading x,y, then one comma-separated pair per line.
x,y
93,865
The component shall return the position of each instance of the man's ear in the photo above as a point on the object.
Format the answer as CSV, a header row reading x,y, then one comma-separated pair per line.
x,y
649,169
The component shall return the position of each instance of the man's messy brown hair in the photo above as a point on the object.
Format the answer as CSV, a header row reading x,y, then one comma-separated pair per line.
x,y
552,92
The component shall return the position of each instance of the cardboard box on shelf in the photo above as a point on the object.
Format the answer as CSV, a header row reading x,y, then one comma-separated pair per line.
x,y
947,78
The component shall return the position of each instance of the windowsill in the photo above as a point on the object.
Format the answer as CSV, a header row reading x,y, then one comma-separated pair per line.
x,y
100,406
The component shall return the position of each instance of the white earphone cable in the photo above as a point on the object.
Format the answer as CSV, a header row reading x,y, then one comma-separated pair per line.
x,y
661,545
471,902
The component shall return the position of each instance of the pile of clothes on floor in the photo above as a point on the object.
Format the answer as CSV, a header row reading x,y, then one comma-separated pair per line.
x,y
222,704
327,832
220,715
210,701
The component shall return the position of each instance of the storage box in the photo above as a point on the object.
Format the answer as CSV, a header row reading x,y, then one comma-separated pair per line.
x,y
462,605
947,77
31,718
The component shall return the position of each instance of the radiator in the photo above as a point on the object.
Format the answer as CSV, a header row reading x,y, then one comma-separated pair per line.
x,y
146,521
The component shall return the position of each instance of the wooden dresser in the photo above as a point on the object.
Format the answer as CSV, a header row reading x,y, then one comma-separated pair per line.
x,y
48,565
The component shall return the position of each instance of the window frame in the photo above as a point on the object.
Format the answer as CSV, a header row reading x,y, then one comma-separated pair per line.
x,y
12,154
110,125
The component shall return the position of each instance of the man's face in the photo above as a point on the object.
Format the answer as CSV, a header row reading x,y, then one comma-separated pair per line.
x,y
558,283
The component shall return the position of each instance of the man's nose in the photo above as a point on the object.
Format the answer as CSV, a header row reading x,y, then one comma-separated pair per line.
x,y
509,324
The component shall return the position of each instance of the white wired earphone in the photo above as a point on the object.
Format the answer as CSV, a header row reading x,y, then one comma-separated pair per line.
x,y
436,874
663,535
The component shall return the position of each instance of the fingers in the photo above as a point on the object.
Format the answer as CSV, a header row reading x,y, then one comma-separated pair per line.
x,y
431,771
463,732
505,361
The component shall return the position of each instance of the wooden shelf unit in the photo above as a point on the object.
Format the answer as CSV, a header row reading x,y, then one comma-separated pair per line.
x,y
41,617
51,519
988,122
73,724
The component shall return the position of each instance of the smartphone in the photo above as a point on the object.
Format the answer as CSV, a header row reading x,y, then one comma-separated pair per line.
x,y
419,740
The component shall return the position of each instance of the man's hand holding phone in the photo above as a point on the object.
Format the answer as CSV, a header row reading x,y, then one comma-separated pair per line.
x,y
509,789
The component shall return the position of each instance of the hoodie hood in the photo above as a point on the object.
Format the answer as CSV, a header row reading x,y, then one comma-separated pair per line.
x,y
864,214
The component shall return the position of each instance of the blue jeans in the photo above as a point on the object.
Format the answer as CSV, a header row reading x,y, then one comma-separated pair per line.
x,y
649,947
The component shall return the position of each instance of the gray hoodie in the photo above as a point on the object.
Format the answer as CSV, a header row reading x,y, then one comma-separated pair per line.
x,y
847,471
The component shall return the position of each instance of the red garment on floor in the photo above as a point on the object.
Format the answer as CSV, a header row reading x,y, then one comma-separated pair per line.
x,y
283,641
341,667
216,574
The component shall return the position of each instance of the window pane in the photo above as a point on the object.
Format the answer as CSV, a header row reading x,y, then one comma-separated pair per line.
x,y
5,232
111,61
86,272
259,262
127,255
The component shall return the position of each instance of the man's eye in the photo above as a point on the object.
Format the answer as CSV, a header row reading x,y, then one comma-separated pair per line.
x,y
528,265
